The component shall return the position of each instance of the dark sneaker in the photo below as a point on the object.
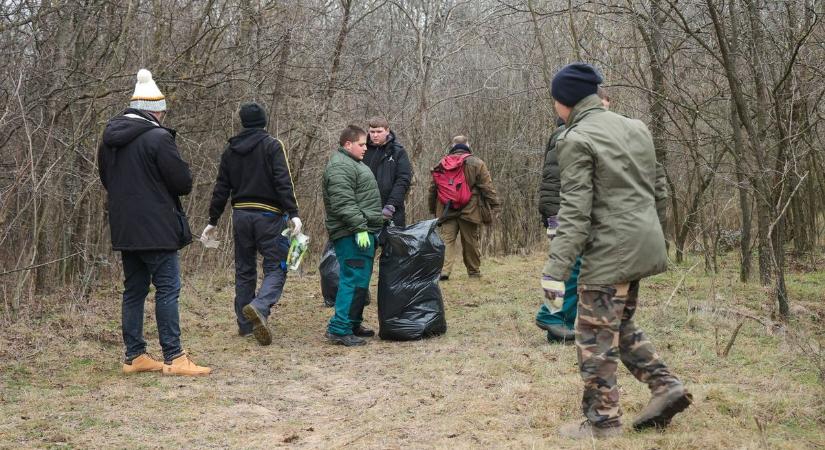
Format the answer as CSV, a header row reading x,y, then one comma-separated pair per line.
x,y
259,328
586,430
560,333
662,407
444,278
349,340
362,331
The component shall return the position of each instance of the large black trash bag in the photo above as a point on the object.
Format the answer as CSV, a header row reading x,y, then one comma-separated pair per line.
x,y
328,268
410,305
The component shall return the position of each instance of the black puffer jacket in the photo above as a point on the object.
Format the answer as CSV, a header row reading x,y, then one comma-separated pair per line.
x,y
393,172
549,198
143,174
254,170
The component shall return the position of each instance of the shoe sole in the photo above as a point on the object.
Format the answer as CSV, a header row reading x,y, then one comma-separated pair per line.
x,y
664,418
132,372
340,342
181,374
259,329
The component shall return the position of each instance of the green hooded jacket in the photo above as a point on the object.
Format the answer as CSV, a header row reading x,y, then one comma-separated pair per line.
x,y
613,199
351,198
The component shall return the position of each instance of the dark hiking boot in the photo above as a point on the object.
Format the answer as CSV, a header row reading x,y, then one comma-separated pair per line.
x,y
586,430
363,331
244,333
259,328
662,407
349,340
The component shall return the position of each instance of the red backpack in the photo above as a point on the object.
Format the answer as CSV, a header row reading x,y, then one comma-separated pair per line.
x,y
448,175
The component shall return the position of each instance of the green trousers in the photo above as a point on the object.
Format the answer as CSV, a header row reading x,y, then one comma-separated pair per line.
x,y
567,315
353,284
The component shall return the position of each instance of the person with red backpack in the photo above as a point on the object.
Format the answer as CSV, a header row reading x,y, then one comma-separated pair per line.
x,y
462,195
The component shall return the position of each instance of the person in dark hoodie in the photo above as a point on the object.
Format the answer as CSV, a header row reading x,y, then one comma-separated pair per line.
x,y
388,161
143,174
254,171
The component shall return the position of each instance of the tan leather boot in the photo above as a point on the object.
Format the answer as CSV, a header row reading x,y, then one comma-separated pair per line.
x,y
143,363
184,366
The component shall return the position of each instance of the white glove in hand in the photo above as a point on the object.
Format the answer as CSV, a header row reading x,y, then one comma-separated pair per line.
x,y
295,226
207,233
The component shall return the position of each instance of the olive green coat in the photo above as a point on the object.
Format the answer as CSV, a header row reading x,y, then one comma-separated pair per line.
x,y
351,198
613,196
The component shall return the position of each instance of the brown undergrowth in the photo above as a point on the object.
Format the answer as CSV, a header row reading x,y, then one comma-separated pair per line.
x,y
492,381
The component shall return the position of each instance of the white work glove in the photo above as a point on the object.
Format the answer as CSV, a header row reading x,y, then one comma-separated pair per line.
x,y
208,236
207,232
295,226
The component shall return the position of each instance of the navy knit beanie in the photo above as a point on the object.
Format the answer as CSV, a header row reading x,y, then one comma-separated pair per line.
x,y
574,82
252,115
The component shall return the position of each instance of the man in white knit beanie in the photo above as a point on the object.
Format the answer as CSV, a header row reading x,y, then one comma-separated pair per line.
x,y
144,176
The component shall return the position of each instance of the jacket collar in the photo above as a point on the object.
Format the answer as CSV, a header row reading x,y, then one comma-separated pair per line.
x,y
588,105
346,153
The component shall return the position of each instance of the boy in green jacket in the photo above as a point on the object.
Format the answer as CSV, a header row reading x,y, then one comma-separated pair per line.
x,y
352,203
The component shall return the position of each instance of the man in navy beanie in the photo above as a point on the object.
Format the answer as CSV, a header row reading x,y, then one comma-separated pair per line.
x,y
254,172
613,199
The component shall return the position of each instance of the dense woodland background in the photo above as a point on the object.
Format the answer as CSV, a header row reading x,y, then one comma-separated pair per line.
x,y
731,89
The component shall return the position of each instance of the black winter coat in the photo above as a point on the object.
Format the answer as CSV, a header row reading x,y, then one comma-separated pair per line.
x,y
393,172
549,197
143,174
254,171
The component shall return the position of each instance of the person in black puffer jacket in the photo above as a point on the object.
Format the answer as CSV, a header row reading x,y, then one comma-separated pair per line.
x,y
143,174
391,166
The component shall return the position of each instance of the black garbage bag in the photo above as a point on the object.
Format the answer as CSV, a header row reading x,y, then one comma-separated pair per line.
x,y
328,268
410,305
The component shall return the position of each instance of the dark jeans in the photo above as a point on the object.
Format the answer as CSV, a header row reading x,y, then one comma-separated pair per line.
x,y
258,232
162,269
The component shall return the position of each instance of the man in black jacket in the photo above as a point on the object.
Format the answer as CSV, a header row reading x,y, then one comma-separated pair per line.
x,y
143,174
254,171
389,163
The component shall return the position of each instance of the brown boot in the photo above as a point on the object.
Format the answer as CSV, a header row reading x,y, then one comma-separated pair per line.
x,y
662,407
259,328
182,365
143,363
586,430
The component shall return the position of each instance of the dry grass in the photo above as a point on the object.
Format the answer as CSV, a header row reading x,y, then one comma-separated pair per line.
x,y
491,382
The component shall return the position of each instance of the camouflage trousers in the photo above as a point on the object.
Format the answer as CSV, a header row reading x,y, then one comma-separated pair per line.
x,y
606,333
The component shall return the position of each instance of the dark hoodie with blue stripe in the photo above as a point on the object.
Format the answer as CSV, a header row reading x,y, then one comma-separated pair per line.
x,y
254,172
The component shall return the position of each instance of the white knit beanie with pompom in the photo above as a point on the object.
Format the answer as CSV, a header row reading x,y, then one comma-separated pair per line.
x,y
147,96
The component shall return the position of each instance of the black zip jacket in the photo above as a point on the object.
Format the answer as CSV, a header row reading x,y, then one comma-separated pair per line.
x,y
254,171
143,174
393,172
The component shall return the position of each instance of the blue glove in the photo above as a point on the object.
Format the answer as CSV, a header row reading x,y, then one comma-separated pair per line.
x,y
388,212
362,239
552,226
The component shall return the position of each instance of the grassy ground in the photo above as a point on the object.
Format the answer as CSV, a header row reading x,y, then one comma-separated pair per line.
x,y
492,381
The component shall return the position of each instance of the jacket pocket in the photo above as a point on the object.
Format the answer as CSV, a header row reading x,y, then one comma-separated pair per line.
x,y
184,232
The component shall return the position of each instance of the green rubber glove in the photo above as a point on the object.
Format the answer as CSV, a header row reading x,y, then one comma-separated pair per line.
x,y
362,238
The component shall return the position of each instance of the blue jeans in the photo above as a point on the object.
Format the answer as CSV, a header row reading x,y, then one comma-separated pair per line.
x,y
353,284
162,269
256,232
